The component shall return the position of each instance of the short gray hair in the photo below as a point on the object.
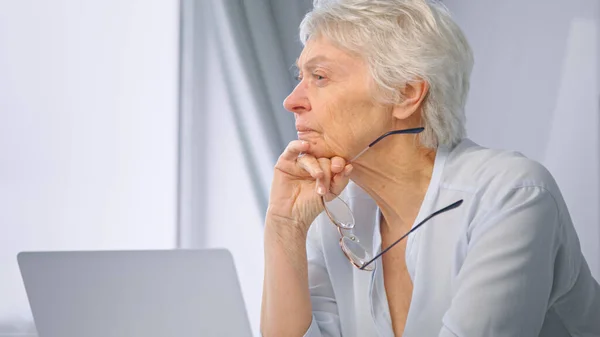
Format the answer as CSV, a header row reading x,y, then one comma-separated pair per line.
x,y
403,41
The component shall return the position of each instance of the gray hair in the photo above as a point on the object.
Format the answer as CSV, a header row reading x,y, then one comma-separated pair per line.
x,y
403,41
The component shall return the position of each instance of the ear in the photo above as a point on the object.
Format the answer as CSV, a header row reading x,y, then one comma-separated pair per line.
x,y
414,93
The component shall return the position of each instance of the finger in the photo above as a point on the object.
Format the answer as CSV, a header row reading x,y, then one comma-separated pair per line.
x,y
310,165
337,164
324,182
293,149
348,169
340,181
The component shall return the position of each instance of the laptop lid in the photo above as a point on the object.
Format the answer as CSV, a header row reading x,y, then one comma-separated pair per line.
x,y
134,293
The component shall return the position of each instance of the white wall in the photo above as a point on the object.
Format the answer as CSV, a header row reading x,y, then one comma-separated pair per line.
x,y
88,131
536,89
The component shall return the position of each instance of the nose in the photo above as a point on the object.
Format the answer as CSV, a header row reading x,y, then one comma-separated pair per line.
x,y
297,101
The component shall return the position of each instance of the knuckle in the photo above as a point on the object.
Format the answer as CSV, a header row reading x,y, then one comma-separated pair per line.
x,y
292,145
279,161
302,160
324,161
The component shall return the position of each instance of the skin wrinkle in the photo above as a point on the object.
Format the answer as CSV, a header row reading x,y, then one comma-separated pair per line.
x,y
339,77
349,119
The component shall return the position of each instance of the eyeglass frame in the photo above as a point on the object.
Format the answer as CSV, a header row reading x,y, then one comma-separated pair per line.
x,y
454,205
340,228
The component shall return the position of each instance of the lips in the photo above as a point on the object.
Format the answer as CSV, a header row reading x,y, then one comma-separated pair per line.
x,y
305,133
303,128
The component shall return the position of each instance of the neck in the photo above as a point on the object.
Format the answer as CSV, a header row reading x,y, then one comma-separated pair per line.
x,y
396,174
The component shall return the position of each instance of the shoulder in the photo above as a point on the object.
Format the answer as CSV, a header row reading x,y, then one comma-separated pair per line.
x,y
494,175
512,199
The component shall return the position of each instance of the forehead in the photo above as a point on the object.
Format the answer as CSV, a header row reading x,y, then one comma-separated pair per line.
x,y
321,50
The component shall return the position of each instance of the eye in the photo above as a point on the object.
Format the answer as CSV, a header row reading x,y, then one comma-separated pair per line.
x,y
318,77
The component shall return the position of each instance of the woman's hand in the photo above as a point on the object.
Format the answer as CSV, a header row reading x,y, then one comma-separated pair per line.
x,y
299,181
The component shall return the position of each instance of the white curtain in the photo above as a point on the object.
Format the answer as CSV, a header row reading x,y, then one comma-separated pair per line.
x,y
242,52
236,71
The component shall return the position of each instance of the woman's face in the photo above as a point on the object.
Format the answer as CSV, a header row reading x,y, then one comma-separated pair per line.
x,y
333,104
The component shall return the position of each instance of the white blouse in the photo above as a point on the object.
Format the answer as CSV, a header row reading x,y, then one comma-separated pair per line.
x,y
507,262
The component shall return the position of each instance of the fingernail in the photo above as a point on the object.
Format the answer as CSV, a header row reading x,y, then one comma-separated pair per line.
x,y
348,171
320,190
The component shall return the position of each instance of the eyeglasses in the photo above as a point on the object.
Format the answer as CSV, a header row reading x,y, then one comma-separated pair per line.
x,y
341,216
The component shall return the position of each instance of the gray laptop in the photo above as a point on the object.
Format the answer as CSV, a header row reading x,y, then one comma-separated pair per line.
x,y
175,293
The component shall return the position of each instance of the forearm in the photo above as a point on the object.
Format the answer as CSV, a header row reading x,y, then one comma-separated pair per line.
x,y
286,307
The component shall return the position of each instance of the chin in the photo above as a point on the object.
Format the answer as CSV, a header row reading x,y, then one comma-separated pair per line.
x,y
318,146
321,150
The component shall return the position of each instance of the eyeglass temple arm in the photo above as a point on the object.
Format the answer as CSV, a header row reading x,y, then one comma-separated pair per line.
x,y
395,132
440,211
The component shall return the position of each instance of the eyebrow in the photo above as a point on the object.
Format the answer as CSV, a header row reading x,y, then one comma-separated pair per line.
x,y
312,61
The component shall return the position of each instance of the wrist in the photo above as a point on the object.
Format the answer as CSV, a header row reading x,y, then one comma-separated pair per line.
x,y
286,227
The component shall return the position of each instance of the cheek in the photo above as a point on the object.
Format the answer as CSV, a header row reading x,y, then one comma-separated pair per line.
x,y
339,118
357,117
348,121
347,126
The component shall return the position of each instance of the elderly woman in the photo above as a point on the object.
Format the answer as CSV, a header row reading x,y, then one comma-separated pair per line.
x,y
381,151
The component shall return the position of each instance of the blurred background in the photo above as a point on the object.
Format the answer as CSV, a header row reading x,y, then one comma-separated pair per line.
x,y
129,124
